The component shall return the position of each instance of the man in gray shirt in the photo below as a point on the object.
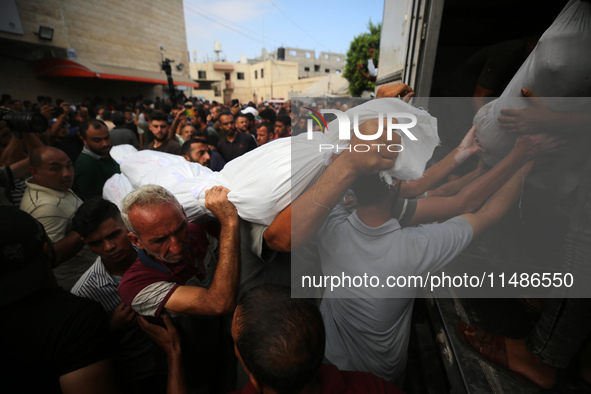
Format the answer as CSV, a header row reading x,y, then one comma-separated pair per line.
x,y
371,333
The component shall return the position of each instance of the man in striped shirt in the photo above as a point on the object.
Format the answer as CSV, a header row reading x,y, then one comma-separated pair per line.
x,y
99,223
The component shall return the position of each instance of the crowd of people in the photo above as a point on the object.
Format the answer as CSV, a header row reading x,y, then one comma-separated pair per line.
x,y
139,299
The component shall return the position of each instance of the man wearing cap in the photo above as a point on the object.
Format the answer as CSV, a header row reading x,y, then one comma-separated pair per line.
x,y
51,339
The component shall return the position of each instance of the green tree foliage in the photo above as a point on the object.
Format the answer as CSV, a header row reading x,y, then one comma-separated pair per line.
x,y
357,53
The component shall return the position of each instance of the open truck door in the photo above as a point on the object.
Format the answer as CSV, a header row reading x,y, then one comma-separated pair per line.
x,y
408,45
423,44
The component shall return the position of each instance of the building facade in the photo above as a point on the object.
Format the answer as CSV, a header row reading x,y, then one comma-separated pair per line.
x,y
309,65
257,82
76,48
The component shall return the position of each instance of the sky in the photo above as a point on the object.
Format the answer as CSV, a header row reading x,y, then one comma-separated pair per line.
x,y
244,27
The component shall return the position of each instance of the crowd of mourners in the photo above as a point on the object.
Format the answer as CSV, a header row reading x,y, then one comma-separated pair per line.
x,y
137,299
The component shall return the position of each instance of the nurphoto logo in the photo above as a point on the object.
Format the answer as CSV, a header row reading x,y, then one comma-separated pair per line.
x,y
345,130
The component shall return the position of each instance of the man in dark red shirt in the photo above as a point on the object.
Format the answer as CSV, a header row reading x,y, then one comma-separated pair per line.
x,y
176,260
177,272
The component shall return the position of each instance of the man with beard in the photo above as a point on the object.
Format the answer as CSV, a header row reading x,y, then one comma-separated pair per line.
x,y
243,124
159,127
283,126
196,150
235,144
94,165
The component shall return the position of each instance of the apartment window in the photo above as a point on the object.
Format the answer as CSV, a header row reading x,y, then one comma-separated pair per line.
x,y
293,53
306,69
262,73
316,67
202,74
338,59
239,75
326,56
327,70
308,55
256,74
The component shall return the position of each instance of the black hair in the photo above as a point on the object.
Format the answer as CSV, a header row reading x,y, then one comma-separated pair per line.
x,y
201,114
369,189
203,134
268,125
159,116
95,123
92,213
226,113
165,108
240,115
285,119
281,339
107,114
118,118
268,114
186,148
249,116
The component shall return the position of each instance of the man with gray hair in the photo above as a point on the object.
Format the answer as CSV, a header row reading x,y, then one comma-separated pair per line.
x,y
176,272
176,259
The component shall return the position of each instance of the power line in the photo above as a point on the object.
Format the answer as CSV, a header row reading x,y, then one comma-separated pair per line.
x,y
224,25
228,27
298,26
243,27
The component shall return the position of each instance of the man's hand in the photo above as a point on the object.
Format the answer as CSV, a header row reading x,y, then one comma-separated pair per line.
x,y
167,339
179,115
123,318
47,111
82,114
534,145
401,90
468,146
66,107
378,157
535,118
359,66
216,200
235,109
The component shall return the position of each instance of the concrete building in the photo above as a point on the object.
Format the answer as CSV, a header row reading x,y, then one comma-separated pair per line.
x,y
308,64
76,48
260,81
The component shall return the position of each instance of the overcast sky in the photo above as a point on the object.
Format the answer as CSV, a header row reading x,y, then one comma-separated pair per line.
x,y
244,27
